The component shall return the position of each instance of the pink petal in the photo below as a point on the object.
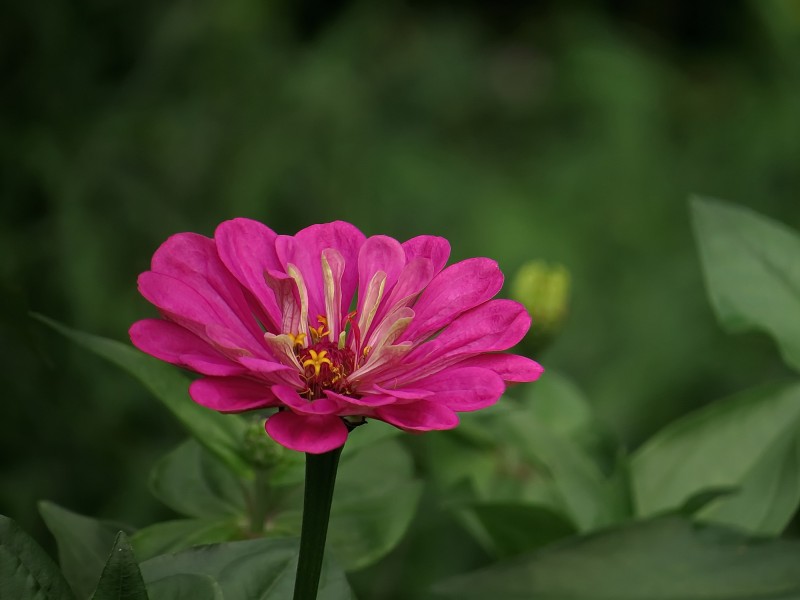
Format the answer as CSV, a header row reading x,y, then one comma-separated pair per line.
x,y
174,344
187,308
271,371
491,327
412,280
458,288
321,406
403,394
247,248
314,434
378,253
418,416
176,298
231,394
436,249
366,401
192,259
291,297
304,250
464,388
511,367
332,270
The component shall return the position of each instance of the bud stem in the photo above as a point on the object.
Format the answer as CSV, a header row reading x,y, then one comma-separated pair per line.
x,y
320,480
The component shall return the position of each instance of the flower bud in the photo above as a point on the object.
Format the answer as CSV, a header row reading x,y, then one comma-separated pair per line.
x,y
259,448
544,291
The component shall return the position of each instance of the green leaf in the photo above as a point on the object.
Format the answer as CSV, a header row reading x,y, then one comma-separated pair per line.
x,y
121,579
291,470
261,569
83,545
374,502
703,498
663,559
221,434
585,494
749,442
508,529
364,436
26,572
173,536
752,269
195,483
185,587
519,454
559,405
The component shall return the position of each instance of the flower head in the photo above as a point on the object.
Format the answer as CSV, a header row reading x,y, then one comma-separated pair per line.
x,y
330,327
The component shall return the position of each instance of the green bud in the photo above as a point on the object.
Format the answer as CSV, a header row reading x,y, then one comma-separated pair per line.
x,y
260,449
544,291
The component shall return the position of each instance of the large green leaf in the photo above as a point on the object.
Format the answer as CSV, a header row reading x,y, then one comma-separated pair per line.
x,y
749,442
121,579
261,569
174,536
26,572
374,502
185,587
663,559
752,270
195,483
585,493
507,529
222,434
83,545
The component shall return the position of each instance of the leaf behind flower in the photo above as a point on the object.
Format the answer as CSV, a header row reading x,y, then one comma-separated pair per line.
x,y
221,434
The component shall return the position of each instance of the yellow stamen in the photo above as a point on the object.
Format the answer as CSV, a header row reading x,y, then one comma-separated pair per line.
x,y
317,360
297,340
317,333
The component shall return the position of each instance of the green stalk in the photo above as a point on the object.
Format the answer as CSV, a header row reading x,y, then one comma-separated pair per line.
x,y
320,480
260,501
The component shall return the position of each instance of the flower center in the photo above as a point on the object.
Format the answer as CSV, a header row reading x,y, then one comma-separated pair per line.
x,y
325,367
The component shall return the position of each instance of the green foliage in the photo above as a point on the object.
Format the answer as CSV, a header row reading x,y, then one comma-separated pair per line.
x,y
121,579
221,434
83,545
185,587
662,559
174,536
248,570
26,572
750,442
752,269
541,455
193,482
508,529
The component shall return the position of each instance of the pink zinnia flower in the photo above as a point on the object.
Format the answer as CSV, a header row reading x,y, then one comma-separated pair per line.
x,y
332,327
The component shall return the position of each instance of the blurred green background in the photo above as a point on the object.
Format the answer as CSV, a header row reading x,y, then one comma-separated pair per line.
x,y
566,131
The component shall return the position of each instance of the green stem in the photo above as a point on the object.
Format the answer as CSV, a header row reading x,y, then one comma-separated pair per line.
x,y
320,479
260,503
